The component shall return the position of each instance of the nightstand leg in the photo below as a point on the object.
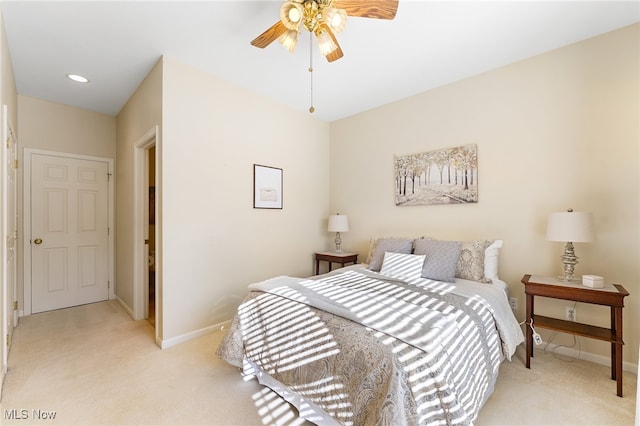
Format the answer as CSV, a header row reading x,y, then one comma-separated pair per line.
x,y
529,332
613,345
617,347
619,369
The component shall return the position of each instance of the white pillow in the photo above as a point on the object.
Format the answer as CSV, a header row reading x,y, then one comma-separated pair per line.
x,y
402,266
491,255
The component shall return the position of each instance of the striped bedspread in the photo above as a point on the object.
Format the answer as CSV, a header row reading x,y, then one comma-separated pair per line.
x,y
357,348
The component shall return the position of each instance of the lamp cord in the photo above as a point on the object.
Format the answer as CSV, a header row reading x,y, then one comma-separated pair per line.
x,y
567,358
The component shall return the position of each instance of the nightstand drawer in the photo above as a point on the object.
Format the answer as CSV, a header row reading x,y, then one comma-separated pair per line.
x,y
334,257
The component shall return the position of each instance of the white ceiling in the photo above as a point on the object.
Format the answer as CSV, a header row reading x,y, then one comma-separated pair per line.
x,y
428,44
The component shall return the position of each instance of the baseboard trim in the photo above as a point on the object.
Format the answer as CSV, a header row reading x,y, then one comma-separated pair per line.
x,y
167,343
125,307
588,356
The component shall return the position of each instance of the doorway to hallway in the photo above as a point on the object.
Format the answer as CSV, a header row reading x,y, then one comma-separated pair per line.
x,y
147,225
151,232
68,243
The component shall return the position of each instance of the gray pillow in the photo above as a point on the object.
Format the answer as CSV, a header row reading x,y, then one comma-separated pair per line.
x,y
441,258
394,245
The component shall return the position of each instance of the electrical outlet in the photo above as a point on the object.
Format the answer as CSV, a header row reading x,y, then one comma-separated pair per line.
x,y
570,313
513,301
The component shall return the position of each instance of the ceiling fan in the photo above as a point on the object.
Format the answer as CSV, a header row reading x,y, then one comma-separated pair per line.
x,y
324,19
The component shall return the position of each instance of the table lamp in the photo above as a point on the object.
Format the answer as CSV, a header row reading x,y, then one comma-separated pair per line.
x,y
570,227
338,223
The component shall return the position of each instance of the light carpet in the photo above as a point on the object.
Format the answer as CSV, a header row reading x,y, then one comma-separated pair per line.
x,y
93,365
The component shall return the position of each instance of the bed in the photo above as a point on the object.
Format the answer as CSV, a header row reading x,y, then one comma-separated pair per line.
x,y
407,338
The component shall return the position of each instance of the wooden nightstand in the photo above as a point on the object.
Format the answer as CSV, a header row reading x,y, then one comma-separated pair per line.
x,y
334,257
611,295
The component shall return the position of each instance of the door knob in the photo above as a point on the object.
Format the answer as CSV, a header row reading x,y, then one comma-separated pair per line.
x,y
37,241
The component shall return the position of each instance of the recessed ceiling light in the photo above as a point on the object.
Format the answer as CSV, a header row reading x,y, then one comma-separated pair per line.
x,y
78,78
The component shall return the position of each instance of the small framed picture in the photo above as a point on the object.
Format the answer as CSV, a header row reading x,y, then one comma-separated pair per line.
x,y
267,187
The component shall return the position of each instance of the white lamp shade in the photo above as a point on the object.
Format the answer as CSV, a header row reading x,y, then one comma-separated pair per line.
x,y
574,227
338,223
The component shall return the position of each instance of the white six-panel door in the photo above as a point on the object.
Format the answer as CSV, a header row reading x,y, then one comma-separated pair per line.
x,y
69,232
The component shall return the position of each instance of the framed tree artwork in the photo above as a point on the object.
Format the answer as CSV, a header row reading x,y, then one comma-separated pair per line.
x,y
444,176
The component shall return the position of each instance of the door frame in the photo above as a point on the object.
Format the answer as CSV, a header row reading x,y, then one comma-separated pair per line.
x,y
26,227
9,291
140,228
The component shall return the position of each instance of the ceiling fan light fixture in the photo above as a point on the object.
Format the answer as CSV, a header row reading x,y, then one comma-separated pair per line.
x,y
324,19
335,18
311,15
289,39
291,15
325,42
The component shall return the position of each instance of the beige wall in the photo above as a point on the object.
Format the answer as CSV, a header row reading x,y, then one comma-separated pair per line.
x,y
142,112
214,242
56,127
9,93
555,131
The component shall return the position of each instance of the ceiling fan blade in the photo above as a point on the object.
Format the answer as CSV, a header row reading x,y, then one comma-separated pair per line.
x,y
336,54
380,9
265,39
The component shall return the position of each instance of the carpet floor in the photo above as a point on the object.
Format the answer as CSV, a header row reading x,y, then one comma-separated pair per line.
x,y
93,365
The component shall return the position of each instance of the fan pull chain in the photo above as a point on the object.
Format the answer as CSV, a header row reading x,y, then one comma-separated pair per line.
x,y
311,108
